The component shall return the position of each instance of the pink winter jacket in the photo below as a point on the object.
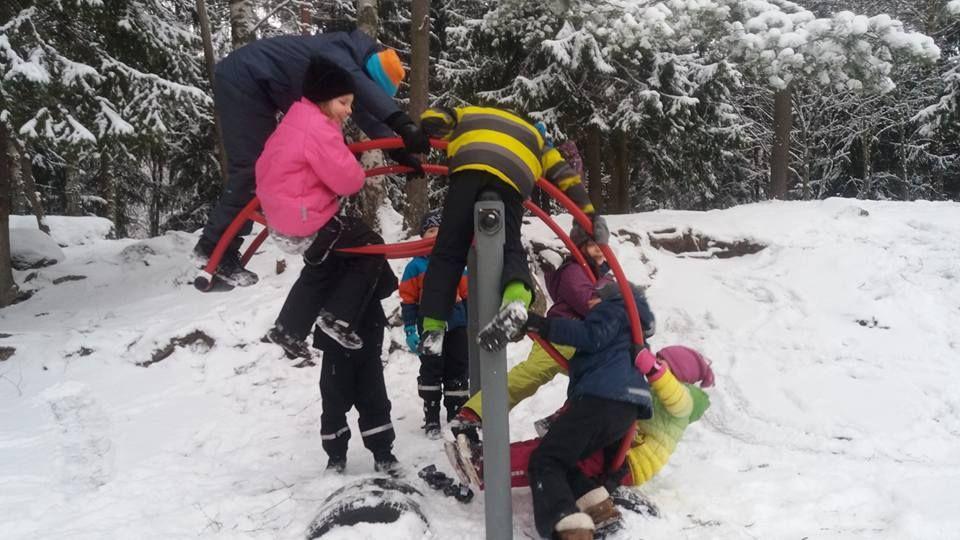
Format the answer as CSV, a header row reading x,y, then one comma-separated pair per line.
x,y
304,166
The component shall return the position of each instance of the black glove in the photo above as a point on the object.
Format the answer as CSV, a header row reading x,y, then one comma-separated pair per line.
x,y
537,324
403,157
413,137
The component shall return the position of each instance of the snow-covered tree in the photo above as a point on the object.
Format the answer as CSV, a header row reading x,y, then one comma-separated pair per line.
x,y
92,90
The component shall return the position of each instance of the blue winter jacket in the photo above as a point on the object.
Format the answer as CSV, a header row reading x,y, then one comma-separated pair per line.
x,y
603,364
273,69
411,289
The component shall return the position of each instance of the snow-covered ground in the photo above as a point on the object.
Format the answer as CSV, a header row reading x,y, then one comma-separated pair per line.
x,y
821,426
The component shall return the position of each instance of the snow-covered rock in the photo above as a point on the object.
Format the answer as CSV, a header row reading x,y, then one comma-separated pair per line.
x,y
31,248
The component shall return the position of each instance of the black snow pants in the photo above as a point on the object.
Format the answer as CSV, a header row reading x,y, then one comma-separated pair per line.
x,y
247,118
456,233
589,424
340,283
354,378
445,377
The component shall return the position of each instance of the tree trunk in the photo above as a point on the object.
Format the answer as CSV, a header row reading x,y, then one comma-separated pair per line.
x,y
373,193
593,163
242,21
29,187
866,153
306,20
72,189
156,196
210,60
18,205
367,17
8,289
780,153
419,94
621,173
108,186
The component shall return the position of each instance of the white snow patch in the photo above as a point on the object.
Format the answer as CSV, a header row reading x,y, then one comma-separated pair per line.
x,y
834,414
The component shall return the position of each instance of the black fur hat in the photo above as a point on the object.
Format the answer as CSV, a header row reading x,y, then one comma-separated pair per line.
x,y
325,80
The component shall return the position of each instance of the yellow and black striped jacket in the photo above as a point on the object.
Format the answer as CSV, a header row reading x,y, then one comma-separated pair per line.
x,y
505,145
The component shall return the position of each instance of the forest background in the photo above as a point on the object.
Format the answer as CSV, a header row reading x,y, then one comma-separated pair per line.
x,y
106,106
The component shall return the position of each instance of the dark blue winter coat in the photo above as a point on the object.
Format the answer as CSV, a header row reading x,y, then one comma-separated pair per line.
x,y
273,69
603,364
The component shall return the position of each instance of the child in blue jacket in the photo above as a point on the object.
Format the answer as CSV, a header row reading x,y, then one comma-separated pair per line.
x,y
605,396
444,375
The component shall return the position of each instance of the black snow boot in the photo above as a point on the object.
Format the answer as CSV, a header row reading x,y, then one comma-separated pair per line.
x,y
339,331
293,348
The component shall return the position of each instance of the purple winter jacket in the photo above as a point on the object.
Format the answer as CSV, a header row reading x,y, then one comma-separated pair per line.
x,y
571,289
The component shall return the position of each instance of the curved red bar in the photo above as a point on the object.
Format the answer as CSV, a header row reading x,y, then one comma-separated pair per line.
x,y
562,235
424,246
584,222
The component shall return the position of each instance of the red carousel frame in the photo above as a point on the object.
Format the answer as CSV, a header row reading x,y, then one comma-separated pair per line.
x,y
204,282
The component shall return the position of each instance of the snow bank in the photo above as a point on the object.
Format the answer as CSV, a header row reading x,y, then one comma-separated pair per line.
x,y
69,230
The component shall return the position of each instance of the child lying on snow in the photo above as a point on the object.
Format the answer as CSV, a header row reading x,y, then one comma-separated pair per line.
x,y
606,395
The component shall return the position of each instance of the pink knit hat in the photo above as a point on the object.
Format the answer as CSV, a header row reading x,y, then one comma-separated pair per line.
x,y
687,365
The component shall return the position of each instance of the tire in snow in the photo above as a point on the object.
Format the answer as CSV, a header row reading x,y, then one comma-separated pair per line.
x,y
370,500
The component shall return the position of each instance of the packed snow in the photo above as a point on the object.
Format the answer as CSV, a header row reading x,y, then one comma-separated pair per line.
x,y
835,413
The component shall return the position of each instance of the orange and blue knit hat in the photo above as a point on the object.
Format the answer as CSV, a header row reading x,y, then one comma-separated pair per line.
x,y
386,70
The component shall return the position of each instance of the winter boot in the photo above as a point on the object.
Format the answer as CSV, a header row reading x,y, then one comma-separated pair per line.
x,y
231,271
505,326
454,397
337,464
577,526
202,251
339,331
293,348
598,504
466,423
468,469
387,463
431,420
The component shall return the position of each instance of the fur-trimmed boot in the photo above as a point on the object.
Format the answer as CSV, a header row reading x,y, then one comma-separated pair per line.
x,y
577,526
598,504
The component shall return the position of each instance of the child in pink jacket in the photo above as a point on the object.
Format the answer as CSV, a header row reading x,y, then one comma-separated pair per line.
x,y
304,170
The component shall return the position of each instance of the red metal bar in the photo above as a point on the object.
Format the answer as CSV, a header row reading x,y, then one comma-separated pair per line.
x,y
551,350
440,170
635,329
562,235
389,144
229,234
254,246
424,244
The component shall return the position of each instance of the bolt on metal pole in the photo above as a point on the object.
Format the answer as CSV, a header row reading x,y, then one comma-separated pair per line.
x,y
489,238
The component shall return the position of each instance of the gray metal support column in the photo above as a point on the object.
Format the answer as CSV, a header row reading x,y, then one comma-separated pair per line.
x,y
473,323
489,237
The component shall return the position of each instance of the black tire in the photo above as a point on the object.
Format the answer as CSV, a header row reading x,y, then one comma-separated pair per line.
x,y
351,504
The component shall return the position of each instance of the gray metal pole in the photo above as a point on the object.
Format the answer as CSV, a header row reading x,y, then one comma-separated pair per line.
x,y
489,237
473,323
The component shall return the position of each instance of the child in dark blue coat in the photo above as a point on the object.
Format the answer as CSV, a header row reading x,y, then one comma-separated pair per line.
x,y
606,395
